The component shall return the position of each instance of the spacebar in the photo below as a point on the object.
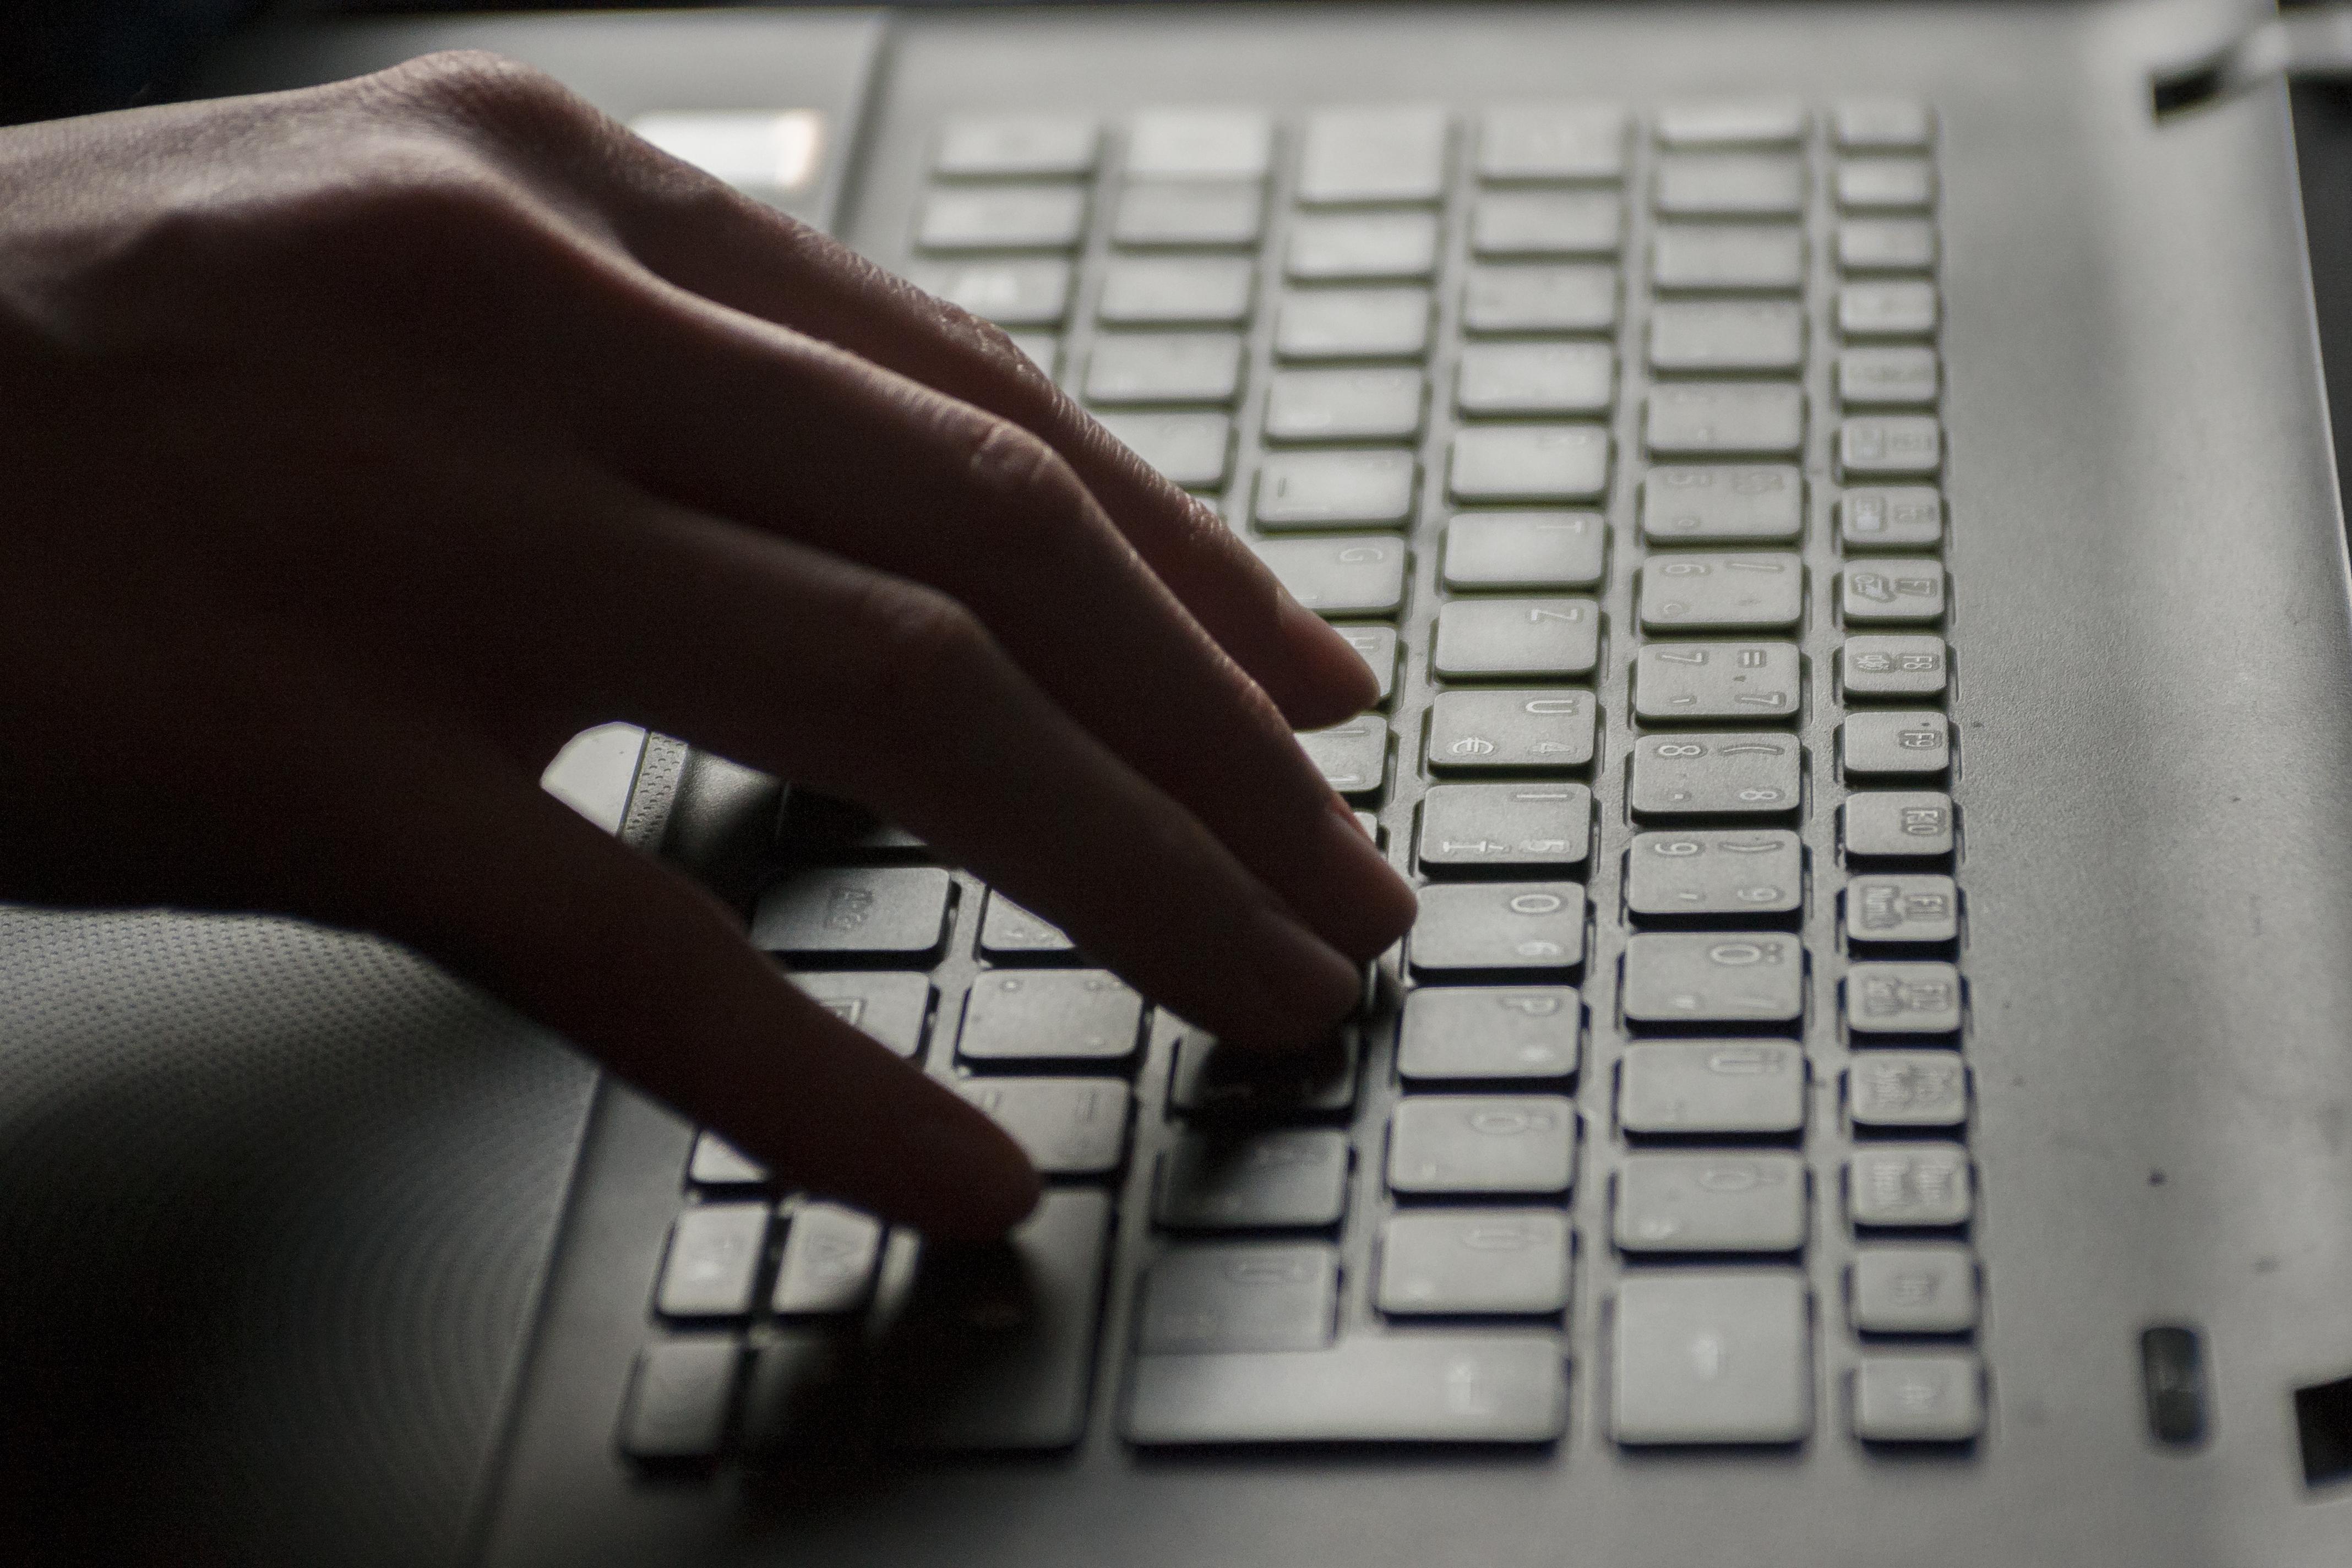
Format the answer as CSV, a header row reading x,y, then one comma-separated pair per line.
x,y
1419,1388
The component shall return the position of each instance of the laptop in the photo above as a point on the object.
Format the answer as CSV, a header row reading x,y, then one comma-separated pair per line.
x,y
1840,504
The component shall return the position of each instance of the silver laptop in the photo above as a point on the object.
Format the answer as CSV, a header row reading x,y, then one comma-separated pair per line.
x,y
1840,502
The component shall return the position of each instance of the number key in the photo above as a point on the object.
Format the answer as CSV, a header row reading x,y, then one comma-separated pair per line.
x,y
1475,732
1523,826
1715,873
1716,774
1722,593
1714,978
1717,681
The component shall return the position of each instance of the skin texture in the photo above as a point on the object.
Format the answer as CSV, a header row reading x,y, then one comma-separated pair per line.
x,y
365,443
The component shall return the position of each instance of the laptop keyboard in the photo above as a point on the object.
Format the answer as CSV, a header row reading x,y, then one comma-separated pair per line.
x,y
1611,443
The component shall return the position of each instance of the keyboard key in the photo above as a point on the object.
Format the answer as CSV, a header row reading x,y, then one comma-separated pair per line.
x,y
1534,142
1194,450
716,1162
861,912
1353,757
1721,1089
1904,518
1886,184
1714,774
1730,185
1728,257
1897,592
1886,309
1900,740
1886,245
1013,935
1067,1126
1722,593
1710,1204
677,1406
1199,144
1536,378
1282,1179
1528,731
993,1346
1529,463
1503,637
1917,909
1726,420
1194,291
1353,323
1919,1399
1512,931
713,1261
1748,681
1027,293
1036,217
1906,1090
1335,489
1475,1263
1719,503
1000,146
1050,1015
1903,999
1523,827
1458,1146
1879,664
827,1268
1377,646
1526,550
1909,1185
1345,404
1712,1357
1333,247
1171,216
1361,155
1891,446
1165,368
1928,1289
1347,575
1727,336
1572,298
1896,825
1535,224
1883,125
1403,1388
889,1008
1251,1296
1714,871
1729,122
1888,378
1713,977
1246,1084
1468,1033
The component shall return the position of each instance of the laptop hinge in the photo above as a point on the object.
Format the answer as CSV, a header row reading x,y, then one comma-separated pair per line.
x,y
2309,43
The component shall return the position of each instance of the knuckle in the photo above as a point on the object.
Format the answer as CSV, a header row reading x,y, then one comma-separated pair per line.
x,y
1028,495
487,89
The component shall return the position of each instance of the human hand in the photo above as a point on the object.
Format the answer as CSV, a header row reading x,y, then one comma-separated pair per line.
x,y
368,442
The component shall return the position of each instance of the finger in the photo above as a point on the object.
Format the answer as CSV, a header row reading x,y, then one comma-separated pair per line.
x,y
807,665
639,968
755,423
714,242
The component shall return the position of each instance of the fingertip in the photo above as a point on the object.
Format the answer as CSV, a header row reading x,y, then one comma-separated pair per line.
x,y
984,1183
1326,681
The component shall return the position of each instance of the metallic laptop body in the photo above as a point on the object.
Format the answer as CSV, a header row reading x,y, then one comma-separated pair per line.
x,y
312,1256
